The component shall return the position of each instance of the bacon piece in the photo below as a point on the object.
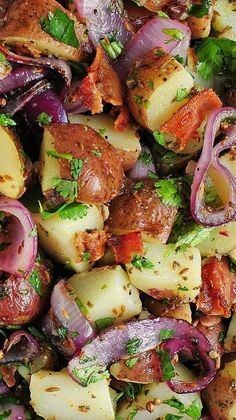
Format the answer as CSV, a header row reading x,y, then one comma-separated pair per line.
x,y
93,243
125,246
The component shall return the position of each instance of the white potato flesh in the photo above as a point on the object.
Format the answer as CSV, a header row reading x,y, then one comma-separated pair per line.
x,y
220,241
162,392
107,292
224,18
48,166
175,273
162,103
229,343
12,164
55,395
127,142
58,236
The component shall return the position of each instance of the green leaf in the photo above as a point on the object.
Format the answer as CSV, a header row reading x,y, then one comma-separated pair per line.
x,y
133,344
162,14
103,323
165,334
112,46
57,155
138,99
174,34
172,417
133,413
167,190
151,84
90,375
131,390
34,331
140,262
81,306
33,232
62,332
200,10
60,27
183,288
131,362
36,282
102,131
179,59
66,188
74,211
76,167
181,94
96,152
3,59
159,137
193,410
167,368
43,118
6,120
86,256
175,403
145,157
222,336
138,186
5,415
187,234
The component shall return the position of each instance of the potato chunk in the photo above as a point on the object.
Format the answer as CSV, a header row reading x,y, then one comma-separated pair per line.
x,y
220,241
14,166
153,85
23,32
168,275
107,292
54,395
224,18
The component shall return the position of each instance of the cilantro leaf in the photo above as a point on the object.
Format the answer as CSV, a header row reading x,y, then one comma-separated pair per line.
x,y
43,118
165,334
162,14
74,211
172,417
131,390
179,58
86,256
6,120
193,410
200,10
159,137
131,362
187,234
140,262
138,186
34,331
5,415
36,282
181,94
103,323
133,344
33,232
167,368
60,27
167,190
174,34
76,167
145,157
90,375
62,332
66,188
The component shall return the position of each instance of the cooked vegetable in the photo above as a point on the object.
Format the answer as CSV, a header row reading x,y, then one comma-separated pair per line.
x,y
219,396
230,339
60,234
171,275
125,246
20,346
106,292
56,395
220,241
139,208
23,31
126,143
144,165
20,77
83,174
224,19
11,407
167,76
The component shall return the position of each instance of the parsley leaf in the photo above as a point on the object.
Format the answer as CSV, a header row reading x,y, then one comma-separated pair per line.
x,y
138,186
34,331
76,167
162,14
62,332
6,120
172,417
200,10
131,390
179,59
90,375
86,256
174,34
167,368
66,188
159,137
36,282
140,262
74,211
57,155
193,411
43,118
165,334
5,415
133,344
60,27
33,232
81,306
181,94
131,362
145,157
167,190
103,323
222,336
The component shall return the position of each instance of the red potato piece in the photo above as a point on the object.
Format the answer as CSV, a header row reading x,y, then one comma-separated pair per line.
x,y
217,291
20,303
141,210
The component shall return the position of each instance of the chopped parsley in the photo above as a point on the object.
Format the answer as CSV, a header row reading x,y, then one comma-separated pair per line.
x,y
140,262
112,46
90,375
174,34
183,288
187,234
159,137
133,413
5,415
151,84
193,410
96,152
36,282
102,131
76,167
201,9
81,306
66,188
57,155
131,390
6,120
145,157
62,332
131,362
138,186
103,323
181,94
165,334
60,27
3,59
167,190
162,14
222,336
86,256
43,118
71,211
179,59
172,417
133,344
167,368
138,100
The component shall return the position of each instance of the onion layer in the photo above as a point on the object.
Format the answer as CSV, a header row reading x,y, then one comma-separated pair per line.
x,y
143,166
19,244
20,346
9,403
20,77
203,214
113,345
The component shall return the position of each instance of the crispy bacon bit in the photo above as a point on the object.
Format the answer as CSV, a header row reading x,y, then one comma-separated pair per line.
x,y
102,84
8,374
216,295
125,246
122,120
92,243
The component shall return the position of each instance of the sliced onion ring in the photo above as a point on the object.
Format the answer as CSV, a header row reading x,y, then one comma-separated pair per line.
x,y
142,168
210,158
20,346
111,346
19,256
20,77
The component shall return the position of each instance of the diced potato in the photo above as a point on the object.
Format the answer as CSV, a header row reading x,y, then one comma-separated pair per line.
x,y
22,30
58,236
224,18
220,394
174,276
107,292
158,392
127,142
14,166
229,343
55,395
153,85
47,176
200,26
220,241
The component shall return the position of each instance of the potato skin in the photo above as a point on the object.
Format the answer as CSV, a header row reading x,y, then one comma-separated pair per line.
x,y
101,177
20,303
141,210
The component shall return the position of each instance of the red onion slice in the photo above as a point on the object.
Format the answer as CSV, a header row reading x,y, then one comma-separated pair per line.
x,y
19,256
20,346
103,17
20,77
76,107
111,346
210,157
151,36
66,310
143,166
11,404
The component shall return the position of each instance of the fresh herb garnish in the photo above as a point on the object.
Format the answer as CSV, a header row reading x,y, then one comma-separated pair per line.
x,y
62,332
102,131
162,14
90,375
200,10
159,137
76,167
140,262
167,190
131,362
165,334
151,84
43,118
103,323
81,306
179,59
5,415
133,413
96,153
167,368
174,34
33,232
133,344
36,282
71,211
138,100
183,288
6,120
86,256
145,157
57,155
66,188
169,416
222,336
131,390
138,186
193,410
3,59
60,27
181,94
112,46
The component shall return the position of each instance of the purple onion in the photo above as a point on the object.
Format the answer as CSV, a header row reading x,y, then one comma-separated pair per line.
x,y
111,346
16,410
19,255
151,36
141,170
20,346
203,214
20,77
66,310
76,107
